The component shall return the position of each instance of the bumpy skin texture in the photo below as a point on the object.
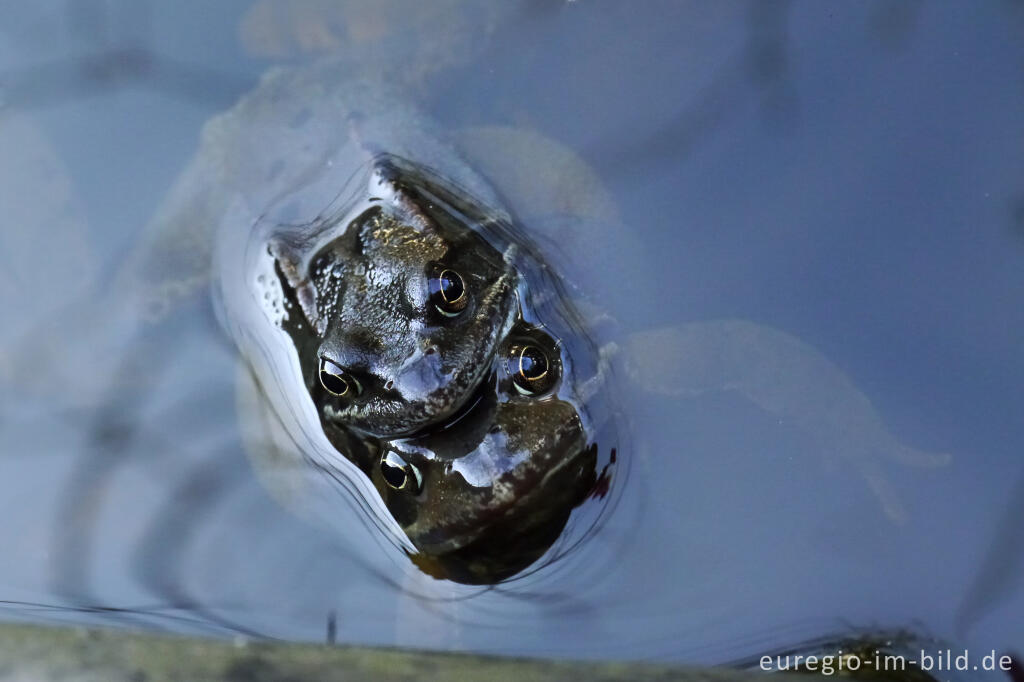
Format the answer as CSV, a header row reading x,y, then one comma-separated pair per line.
x,y
368,309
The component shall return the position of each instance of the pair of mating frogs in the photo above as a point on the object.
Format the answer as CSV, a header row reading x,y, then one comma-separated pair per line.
x,y
387,285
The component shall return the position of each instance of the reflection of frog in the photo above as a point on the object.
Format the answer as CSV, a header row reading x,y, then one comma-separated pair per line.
x,y
43,246
456,458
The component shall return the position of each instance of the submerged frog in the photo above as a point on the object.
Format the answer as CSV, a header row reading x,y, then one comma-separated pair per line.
x,y
386,285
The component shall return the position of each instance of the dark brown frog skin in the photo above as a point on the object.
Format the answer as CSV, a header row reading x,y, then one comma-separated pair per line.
x,y
483,493
486,494
472,415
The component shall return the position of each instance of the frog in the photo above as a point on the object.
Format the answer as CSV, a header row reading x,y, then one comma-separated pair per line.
x,y
446,459
384,282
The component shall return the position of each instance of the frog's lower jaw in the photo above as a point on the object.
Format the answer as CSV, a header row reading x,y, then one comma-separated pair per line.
x,y
408,420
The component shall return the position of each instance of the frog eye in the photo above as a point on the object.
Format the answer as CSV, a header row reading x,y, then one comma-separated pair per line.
x,y
448,292
337,381
399,474
530,369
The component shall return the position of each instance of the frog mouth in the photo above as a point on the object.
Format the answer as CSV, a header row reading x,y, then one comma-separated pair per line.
x,y
476,407
461,426
388,415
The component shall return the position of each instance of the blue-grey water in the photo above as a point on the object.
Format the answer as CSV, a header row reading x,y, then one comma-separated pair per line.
x,y
843,182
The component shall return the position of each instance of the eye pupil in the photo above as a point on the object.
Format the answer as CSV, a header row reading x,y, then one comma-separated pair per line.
x,y
533,364
332,378
452,287
448,292
334,383
394,476
532,370
398,474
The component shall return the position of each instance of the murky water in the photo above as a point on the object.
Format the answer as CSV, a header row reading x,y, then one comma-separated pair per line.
x,y
814,270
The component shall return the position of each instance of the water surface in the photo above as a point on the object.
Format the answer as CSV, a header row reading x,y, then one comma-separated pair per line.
x,y
847,181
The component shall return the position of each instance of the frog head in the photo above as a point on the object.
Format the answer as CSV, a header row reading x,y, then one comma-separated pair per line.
x,y
403,308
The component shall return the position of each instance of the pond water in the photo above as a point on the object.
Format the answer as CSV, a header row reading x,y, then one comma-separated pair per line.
x,y
819,272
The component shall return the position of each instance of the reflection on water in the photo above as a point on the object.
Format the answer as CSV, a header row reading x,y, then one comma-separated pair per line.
x,y
755,161
788,380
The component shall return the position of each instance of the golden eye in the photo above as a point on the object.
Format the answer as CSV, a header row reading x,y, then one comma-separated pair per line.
x,y
530,369
335,380
448,292
399,474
